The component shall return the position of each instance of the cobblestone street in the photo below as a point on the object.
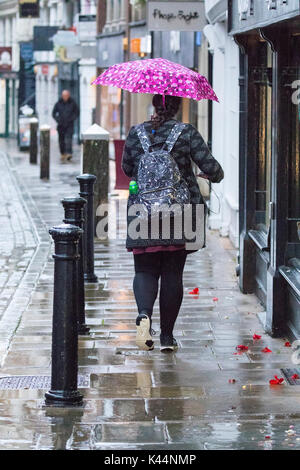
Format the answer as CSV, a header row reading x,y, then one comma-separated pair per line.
x,y
205,396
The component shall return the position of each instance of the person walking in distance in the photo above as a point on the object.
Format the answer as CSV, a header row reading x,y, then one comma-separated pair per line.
x,y
65,112
158,156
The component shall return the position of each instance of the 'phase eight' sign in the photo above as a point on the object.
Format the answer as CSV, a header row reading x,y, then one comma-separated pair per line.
x,y
175,16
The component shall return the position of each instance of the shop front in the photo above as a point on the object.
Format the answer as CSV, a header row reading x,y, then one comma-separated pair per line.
x,y
268,34
180,47
110,51
140,48
8,98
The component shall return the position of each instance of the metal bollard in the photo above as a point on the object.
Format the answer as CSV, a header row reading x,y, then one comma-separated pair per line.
x,y
74,207
44,151
33,149
64,335
86,183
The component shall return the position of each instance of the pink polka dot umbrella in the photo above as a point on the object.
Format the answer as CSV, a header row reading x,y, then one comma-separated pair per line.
x,y
157,76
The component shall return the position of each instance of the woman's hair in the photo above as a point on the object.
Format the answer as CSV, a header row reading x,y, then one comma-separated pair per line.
x,y
164,112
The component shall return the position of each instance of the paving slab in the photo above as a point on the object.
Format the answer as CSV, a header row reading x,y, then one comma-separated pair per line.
x,y
205,396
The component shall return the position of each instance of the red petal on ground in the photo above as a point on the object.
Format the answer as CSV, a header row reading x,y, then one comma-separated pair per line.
x,y
232,381
295,376
215,299
255,336
276,380
287,344
194,291
267,437
242,347
266,350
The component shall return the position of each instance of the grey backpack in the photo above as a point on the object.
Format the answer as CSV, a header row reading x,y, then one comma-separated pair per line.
x,y
159,179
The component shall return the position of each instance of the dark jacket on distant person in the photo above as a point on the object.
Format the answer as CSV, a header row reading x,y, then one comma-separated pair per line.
x,y
190,147
65,113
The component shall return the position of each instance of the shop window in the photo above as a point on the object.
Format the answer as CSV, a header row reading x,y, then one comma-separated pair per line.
x,y
110,110
294,154
263,81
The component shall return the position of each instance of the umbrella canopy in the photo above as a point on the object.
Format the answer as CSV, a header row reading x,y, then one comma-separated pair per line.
x,y
157,76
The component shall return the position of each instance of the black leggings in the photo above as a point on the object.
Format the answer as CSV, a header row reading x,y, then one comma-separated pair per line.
x,y
168,266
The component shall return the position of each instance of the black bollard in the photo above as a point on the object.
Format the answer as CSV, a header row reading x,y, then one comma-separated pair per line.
x,y
33,149
86,183
64,334
45,152
74,207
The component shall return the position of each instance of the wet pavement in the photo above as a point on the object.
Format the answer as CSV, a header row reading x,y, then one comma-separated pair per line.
x,y
205,396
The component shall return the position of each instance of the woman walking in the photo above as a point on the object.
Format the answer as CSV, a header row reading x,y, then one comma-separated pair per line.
x,y
163,258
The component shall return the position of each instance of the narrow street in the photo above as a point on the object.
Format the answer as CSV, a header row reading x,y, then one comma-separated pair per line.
x,y
206,396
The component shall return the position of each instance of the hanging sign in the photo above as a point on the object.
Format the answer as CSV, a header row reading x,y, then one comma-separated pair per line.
x,y
135,45
87,27
29,8
5,59
45,69
175,16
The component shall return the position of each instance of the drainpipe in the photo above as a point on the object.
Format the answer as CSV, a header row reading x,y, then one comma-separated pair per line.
x,y
126,94
100,22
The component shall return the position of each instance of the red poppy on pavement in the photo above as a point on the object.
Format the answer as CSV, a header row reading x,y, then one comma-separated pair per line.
x,y
255,336
242,347
215,299
295,376
287,344
266,350
276,380
194,291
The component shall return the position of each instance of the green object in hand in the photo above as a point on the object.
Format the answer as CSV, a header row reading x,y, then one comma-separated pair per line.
x,y
133,187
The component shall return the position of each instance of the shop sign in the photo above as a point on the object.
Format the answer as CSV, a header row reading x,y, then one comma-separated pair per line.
x,y
146,44
110,50
250,14
65,38
45,69
86,27
29,8
42,37
141,46
135,45
246,8
24,132
5,59
175,16
175,41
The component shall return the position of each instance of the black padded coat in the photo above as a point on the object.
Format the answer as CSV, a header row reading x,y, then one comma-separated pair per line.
x,y
190,147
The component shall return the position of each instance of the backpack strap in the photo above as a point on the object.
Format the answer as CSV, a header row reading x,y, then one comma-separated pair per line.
x,y
174,134
142,135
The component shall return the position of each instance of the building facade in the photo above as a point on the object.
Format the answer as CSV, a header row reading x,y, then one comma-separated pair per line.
x,y
268,35
70,61
225,119
15,37
53,51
